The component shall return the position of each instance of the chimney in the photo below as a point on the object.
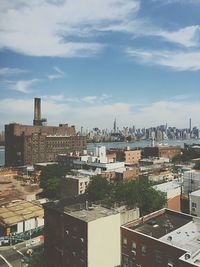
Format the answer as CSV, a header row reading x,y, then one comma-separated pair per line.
x,y
37,109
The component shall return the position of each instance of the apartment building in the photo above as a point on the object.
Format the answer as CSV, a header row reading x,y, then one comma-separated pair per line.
x,y
164,238
73,185
172,190
84,235
127,155
162,151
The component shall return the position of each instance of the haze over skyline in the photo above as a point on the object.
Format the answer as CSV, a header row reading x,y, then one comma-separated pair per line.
x,y
91,61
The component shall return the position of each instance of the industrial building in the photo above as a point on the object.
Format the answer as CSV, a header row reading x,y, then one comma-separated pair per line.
x,y
164,238
20,216
162,151
84,235
27,144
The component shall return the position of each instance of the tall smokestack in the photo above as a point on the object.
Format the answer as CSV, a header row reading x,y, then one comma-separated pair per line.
x,y
37,113
37,109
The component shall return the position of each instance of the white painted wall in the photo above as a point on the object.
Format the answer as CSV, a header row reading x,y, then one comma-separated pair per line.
x,y
20,227
129,215
104,241
30,224
191,181
40,221
195,198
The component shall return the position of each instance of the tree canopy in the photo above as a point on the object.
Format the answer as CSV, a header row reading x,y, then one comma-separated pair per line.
x,y
50,179
187,154
139,193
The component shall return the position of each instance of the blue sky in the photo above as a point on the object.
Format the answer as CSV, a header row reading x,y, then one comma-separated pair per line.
x,y
92,60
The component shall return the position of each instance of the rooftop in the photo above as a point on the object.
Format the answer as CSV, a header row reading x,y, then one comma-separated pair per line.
x,y
79,208
161,224
165,187
20,211
195,193
173,228
91,213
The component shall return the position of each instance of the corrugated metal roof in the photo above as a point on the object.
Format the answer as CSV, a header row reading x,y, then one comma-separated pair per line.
x,y
20,211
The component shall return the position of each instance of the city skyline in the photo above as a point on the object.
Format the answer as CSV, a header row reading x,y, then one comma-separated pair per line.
x,y
135,60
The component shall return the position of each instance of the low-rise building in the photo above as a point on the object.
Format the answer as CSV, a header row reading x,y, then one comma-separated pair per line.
x,y
73,185
105,165
194,203
162,151
127,155
191,181
164,238
19,217
153,161
82,235
172,190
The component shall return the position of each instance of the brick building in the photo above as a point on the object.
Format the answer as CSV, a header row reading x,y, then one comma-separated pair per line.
x,y
83,236
27,144
162,151
164,238
127,155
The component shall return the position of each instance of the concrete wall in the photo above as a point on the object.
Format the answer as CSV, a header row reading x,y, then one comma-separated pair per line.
x,y
195,198
104,242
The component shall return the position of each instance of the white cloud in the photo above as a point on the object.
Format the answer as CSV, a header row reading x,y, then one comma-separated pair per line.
x,y
42,28
188,36
174,112
177,60
22,86
59,74
11,71
89,99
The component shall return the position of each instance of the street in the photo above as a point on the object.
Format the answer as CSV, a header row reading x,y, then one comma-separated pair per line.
x,y
15,256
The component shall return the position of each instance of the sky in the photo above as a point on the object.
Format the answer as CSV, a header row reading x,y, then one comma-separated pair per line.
x,y
92,60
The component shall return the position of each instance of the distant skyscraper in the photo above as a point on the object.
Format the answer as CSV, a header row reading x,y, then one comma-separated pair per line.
x,y
115,126
190,125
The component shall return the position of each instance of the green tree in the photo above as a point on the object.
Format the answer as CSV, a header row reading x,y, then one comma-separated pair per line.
x,y
140,194
98,188
50,179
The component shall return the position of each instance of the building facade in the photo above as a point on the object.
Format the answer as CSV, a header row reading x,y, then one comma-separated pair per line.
x,y
83,236
127,155
27,144
162,151
164,238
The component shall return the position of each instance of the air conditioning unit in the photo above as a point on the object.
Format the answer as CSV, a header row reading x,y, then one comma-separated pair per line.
x,y
133,252
170,264
187,255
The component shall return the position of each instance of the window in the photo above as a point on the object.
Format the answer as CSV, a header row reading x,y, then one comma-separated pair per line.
x,y
125,241
133,245
125,260
143,250
194,205
158,256
170,262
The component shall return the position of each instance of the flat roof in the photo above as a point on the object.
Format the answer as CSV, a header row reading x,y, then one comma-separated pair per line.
x,y
166,187
78,177
195,193
161,224
20,211
173,228
186,237
92,213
